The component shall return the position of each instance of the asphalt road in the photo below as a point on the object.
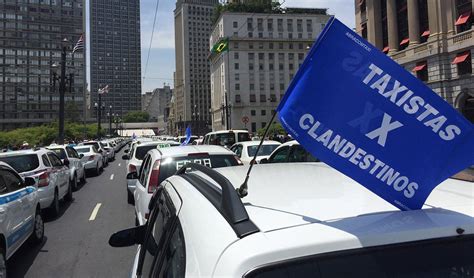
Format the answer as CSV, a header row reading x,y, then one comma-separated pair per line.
x,y
75,245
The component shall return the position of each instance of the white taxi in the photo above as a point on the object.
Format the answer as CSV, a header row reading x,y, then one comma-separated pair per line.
x,y
20,214
159,164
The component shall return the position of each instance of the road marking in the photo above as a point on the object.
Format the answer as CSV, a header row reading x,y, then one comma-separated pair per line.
x,y
120,164
95,211
112,177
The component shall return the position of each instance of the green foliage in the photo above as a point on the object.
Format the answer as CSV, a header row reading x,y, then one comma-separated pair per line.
x,y
136,117
255,6
275,129
46,134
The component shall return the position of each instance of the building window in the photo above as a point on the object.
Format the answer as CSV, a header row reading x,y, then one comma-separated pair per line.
x,y
463,63
254,127
364,30
263,98
236,45
253,98
252,87
263,112
235,24
402,20
273,98
236,66
253,112
264,124
251,66
237,99
421,71
237,87
464,15
236,55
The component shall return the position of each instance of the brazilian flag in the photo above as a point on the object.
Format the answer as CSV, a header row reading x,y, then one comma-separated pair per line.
x,y
221,46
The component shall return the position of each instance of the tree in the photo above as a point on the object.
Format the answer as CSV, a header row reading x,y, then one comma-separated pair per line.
x,y
136,117
275,129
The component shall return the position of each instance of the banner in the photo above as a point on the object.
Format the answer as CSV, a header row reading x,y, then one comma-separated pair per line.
x,y
188,137
360,112
221,46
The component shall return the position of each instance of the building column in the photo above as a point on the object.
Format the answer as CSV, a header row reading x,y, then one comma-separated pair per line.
x,y
374,23
433,17
413,22
392,25
450,10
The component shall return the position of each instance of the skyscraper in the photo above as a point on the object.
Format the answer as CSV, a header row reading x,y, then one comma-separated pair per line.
x,y
193,21
115,53
31,42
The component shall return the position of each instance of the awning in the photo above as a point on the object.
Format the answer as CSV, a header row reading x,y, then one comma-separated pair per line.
x,y
386,49
461,57
419,67
463,18
405,41
426,33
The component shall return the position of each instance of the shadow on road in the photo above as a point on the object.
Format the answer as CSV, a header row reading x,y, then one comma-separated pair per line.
x,y
19,264
63,206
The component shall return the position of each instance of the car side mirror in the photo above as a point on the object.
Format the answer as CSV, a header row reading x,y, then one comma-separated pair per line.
x,y
81,155
125,151
128,237
66,162
132,176
125,157
29,181
264,161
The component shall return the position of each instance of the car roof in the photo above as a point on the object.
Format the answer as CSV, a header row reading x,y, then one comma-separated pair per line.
x,y
27,151
256,143
185,150
227,131
290,143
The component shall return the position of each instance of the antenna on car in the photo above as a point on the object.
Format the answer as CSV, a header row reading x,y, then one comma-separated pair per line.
x,y
242,191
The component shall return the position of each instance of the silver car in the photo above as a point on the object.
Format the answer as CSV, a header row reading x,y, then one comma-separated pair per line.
x,y
109,149
77,172
91,158
100,149
51,175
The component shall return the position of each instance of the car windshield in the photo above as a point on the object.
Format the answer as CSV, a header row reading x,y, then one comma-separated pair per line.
x,y
264,150
60,152
224,139
22,163
141,151
243,136
83,150
443,258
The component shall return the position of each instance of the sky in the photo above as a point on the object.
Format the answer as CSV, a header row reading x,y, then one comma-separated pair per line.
x,y
161,61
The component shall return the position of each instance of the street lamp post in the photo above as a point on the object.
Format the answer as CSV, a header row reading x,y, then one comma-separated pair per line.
x,y
110,114
62,88
99,107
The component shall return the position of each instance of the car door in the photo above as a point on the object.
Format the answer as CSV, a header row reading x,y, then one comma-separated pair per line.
x,y
280,155
61,173
74,161
141,206
16,213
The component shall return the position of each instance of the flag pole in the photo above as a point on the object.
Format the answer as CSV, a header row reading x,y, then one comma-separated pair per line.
x,y
242,191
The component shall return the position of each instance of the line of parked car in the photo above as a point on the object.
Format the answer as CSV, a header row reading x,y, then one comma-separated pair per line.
x,y
35,180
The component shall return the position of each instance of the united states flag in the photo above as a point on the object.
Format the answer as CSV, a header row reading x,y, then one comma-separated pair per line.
x,y
80,44
104,90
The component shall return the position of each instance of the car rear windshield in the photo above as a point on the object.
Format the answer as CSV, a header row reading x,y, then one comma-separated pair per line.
x,y
60,152
82,150
22,163
170,165
243,136
142,150
428,259
95,144
264,150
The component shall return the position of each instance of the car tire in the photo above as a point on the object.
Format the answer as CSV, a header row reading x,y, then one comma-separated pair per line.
x,y
75,183
130,199
38,228
3,264
137,223
83,179
68,196
54,208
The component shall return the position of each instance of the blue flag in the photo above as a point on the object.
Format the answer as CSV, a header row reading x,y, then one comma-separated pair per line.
x,y
188,137
360,112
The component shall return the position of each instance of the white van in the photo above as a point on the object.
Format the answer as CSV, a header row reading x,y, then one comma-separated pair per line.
x,y
226,138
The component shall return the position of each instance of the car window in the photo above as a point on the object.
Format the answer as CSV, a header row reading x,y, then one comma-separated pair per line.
x,y
83,150
145,170
174,257
160,224
280,155
54,160
264,150
142,151
22,163
45,160
12,181
60,152
237,150
243,136
3,186
426,259
71,152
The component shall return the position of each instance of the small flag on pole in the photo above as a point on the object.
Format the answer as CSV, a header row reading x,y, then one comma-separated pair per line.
x,y
104,90
79,45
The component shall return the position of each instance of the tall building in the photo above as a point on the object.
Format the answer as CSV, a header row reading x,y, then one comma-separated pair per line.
x,y
30,43
157,103
192,23
116,53
431,38
265,51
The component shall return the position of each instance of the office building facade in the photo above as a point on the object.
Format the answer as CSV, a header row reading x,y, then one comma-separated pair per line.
x,y
433,39
192,90
265,51
157,103
115,51
31,36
